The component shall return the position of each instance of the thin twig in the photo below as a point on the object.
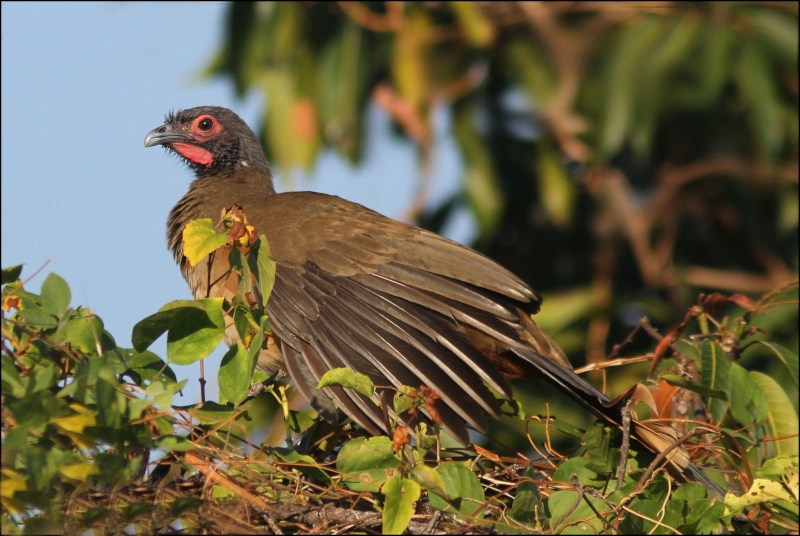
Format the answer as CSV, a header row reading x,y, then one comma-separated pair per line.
x,y
626,439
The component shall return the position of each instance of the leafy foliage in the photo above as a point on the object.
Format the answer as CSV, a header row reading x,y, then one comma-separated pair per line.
x,y
93,440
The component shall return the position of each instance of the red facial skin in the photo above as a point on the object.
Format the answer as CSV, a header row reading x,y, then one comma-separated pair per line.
x,y
195,153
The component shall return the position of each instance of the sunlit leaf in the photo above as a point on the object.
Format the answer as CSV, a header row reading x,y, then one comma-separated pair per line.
x,y
716,366
200,238
782,418
479,30
235,372
55,295
401,494
346,377
365,464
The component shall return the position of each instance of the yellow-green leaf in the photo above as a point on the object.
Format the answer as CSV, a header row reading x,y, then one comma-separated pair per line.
x,y
76,423
79,471
345,377
201,238
401,494
479,31
762,491
556,189
782,418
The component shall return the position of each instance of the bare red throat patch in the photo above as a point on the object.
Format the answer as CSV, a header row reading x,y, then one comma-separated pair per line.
x,y
193,153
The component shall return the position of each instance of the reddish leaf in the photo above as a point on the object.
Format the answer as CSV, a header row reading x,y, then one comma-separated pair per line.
x,y
743,301
431,397
400,438
714,302
664,398
664,346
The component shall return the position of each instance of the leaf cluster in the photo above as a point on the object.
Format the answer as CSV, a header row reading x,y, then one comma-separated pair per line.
x,y
92,439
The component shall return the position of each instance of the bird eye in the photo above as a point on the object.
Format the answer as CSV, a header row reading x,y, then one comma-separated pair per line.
x,y
206,125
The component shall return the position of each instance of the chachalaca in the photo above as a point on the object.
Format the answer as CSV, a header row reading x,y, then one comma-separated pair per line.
x,y
356,289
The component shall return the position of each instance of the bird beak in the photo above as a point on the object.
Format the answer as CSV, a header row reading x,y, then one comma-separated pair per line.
x,y
164,135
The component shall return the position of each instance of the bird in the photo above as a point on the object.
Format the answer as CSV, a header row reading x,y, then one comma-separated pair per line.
x,y
354,288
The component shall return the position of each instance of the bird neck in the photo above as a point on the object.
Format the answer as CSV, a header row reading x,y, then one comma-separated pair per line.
x,y
240,182
209,194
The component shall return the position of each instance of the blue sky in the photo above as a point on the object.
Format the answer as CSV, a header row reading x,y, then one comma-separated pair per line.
x,y
82,84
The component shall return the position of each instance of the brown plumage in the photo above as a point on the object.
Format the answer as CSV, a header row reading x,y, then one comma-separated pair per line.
x,y
353,288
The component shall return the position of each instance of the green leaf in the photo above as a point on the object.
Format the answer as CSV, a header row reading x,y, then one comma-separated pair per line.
x,y
711,522
235,373
402,401
788,357
556,189
195,327
174,443
84,333
581,519
716,367
263,266
305,464
669,514
345,377
239,265
146,367
602,458
429,479
762,491
782,418
11,274
300,421
79,471
621,80
683,383
13,382
527,506
365,464
201,238
210,412
463,489
37,317
219,492
775,468
55,295
577,466
401,494
714,65
565,427
777,31
257,342
146,331
750,404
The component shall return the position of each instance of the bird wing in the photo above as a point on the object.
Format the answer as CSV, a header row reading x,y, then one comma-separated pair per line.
x,y
356,289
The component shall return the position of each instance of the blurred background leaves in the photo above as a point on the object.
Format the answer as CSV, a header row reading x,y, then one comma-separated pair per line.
x,y
619,157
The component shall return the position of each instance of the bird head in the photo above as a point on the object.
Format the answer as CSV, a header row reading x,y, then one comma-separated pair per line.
x,y
209,139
